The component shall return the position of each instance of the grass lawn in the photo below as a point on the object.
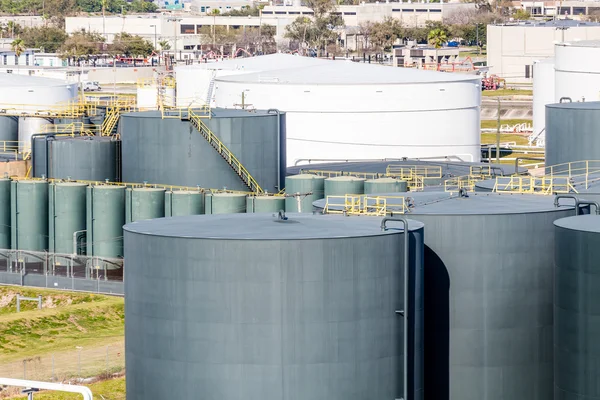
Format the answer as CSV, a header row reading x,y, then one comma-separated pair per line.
x,y
493,124
490,138
89,320
506,92
112,389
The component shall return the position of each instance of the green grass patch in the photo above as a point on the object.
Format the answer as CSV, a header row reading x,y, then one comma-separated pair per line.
x,y
90,320
50,299
112,389
493,124
506,92
490,138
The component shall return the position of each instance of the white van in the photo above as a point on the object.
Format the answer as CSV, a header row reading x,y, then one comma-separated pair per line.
x,y
91,87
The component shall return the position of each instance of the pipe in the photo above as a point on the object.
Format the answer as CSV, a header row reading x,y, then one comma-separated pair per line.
x,y
578,203
84,391
565,98
406,262
276,111
590,203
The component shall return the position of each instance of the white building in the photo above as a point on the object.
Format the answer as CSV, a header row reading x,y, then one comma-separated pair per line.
x,y
567,8
346,110
512,48
8,58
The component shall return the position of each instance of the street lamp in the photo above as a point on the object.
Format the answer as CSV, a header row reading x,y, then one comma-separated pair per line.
x,y
175,20
154,26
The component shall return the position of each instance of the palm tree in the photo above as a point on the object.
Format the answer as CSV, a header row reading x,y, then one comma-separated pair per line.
x,y
437,37
17,47
214,12
164,45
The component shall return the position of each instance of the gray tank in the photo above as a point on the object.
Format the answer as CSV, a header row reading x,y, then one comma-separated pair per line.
x,y
29,217
224,203
67,212
577,284
256,139
5,214
343,185
385,185
489,285
265,204
571,132
184,202
144,203
303,308
88,158
105,220
9,129
301,184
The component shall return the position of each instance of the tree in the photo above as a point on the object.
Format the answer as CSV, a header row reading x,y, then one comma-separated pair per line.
x,y
164,45
521,15
253,11
131,45
437,37
319,31
17,46
82,43
385,33
50,39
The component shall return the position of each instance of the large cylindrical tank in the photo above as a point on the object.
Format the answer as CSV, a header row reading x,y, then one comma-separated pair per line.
x,y
89,158
300,185
385,185
343,185
147,96
224,203
29,220
67,212
144,203
576,308
577,66
4,213
105,220
571,132
543,93
29,126
183,202
263,308
9,129
265,204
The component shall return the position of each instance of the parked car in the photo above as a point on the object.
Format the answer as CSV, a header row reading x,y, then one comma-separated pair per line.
x,y
91,87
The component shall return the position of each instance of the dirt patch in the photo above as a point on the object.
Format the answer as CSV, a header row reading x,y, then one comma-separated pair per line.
x,y
6,299
73,320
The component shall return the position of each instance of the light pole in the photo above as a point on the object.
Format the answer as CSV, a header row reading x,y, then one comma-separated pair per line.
x,y
174,20
154,26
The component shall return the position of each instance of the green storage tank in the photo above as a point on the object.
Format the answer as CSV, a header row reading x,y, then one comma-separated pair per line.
x,y
385,185
29,217
5,214
144,203
105,220
300,184
343,185
265,204
67,203
225,203
184,202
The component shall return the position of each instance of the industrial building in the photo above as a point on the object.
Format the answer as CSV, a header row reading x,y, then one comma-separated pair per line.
x,y
512,48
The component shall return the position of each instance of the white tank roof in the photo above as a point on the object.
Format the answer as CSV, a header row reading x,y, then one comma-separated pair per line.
x,y
14,80
347,73
581,43
259,63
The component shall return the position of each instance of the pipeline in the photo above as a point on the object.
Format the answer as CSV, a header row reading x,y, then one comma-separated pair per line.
x,y
578,203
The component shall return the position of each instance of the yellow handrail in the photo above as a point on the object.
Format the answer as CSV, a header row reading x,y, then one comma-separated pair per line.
x,y
365,205
330,174
224,151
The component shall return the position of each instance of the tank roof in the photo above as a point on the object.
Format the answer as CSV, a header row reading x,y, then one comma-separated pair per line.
x,y
348,73
258,63
445,203
264,227
582,43
578,105
15,80
557,23
216,113
584,223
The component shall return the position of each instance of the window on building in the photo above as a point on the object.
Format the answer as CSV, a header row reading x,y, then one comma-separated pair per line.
x,y
308,13
528,71
5,59
435,11
564,10
228,7
395,10
26,59
578,10
199,29
267,12
16,60
280,12
408,10
294,12
349,13
202,9
421,10
188,29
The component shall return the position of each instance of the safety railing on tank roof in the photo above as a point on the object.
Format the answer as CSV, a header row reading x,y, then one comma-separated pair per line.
x,y
333,174
407,171
72,129
365,205
165,81
582,173
185,113
65,110
545,185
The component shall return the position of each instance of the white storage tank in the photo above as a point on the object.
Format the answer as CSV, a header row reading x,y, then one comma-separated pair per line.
x,y
346,110
577,66
543,93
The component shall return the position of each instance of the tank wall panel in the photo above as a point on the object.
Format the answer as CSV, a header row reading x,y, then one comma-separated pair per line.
x,y
265,204
9,129
183,203
67,215
5,214
293,185
105,220
144,204
229,204
93,159
29,220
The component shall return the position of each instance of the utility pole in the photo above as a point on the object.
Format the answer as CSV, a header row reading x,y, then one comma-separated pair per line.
x,y
498,135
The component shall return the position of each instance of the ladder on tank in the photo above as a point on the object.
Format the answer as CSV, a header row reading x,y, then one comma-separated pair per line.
x,y
211,87
225,153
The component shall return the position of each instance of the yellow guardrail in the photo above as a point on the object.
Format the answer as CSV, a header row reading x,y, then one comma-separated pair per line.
x,y
424,171
224,151
534,185
365,205
72,129
466,182
333,174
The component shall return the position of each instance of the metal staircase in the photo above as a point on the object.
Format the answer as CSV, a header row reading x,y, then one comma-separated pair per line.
x,y
228,156
210,90
110,121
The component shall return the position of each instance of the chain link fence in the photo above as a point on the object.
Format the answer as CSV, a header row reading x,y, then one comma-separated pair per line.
x,y
79,363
